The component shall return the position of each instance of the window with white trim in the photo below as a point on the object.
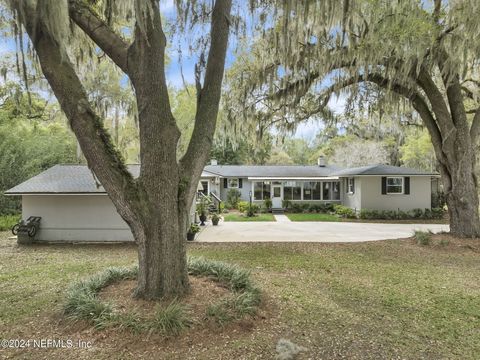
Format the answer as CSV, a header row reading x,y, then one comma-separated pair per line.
x,y
233,183
351,185
394,185
261,190
311,190
292,190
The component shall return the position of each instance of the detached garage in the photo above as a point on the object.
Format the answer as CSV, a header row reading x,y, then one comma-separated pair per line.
x,y
73,206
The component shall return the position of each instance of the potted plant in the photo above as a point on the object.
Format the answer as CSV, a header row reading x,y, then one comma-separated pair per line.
x,y
194,228
215,219
202,209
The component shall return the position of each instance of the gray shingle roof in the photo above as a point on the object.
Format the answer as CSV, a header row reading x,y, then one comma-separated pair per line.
x,y
78,179
379,169
64,179
271,170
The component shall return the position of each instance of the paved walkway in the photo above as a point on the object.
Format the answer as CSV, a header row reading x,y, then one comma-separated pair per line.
x,y
282,218
310,231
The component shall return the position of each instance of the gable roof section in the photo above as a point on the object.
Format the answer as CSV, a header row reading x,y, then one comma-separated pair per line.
x,y
384,170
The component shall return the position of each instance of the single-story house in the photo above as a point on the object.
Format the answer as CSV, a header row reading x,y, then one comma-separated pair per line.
x,y
74,208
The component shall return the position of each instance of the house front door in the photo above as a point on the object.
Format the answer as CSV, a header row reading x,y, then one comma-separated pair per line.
x,y
276,196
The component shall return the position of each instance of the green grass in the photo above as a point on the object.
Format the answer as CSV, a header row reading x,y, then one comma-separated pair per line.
x,y
7,221
382,300
313,217
241,217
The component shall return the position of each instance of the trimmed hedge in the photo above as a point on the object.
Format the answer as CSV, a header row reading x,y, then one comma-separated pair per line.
x,y
435,213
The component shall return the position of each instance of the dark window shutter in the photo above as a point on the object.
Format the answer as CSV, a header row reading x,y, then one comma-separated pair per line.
x,y
225,183
240,183
406,185
353,185
384,185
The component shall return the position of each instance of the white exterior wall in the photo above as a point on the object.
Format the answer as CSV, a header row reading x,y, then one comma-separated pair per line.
x,y
372,198
354,200
244,191
76,218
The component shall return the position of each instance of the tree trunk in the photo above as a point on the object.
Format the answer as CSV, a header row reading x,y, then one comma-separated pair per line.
x,y
460,185
162,254
156,204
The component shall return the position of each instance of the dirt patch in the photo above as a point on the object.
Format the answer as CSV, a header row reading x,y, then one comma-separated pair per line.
x,y
204,292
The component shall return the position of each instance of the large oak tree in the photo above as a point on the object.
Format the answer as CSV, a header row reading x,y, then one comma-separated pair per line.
x,y
156,204
422,55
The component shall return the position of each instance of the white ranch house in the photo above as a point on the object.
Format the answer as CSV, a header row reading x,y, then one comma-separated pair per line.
x,y
74,208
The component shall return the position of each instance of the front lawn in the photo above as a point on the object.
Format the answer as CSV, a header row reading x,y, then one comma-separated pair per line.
x,y
312,217
242,217
379,300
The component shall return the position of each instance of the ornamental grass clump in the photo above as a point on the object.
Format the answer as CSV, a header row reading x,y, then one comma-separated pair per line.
x,y
422,237
82,301
172,319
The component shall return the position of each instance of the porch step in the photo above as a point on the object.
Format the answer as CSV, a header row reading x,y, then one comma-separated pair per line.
x,y
278,211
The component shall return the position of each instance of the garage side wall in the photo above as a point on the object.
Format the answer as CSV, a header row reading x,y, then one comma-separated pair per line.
x,y
76,218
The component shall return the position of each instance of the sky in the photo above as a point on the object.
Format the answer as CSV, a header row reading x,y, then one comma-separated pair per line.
x,y
307,130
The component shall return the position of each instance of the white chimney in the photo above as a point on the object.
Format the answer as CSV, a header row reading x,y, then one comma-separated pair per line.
x,y
321,161
213,162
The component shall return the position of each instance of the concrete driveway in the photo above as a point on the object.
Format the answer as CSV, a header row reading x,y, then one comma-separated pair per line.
x,y
310,231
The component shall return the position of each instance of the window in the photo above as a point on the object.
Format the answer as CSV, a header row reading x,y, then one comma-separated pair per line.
x,y
394,185
292,190
233,183
261,190
311,190
351,185
277,191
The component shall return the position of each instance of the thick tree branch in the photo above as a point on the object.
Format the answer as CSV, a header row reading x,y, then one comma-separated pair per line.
x,y
111,43
209,96
94,140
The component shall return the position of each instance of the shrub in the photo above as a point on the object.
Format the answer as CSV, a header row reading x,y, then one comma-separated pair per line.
x,y
437,213
296,208
267,203
417,213
252,209
233,198
249,210
286,204
7,221
422,237
344,211
242,206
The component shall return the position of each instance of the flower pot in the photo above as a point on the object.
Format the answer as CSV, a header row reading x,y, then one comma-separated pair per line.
x,y
190,236
203,218
215,222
